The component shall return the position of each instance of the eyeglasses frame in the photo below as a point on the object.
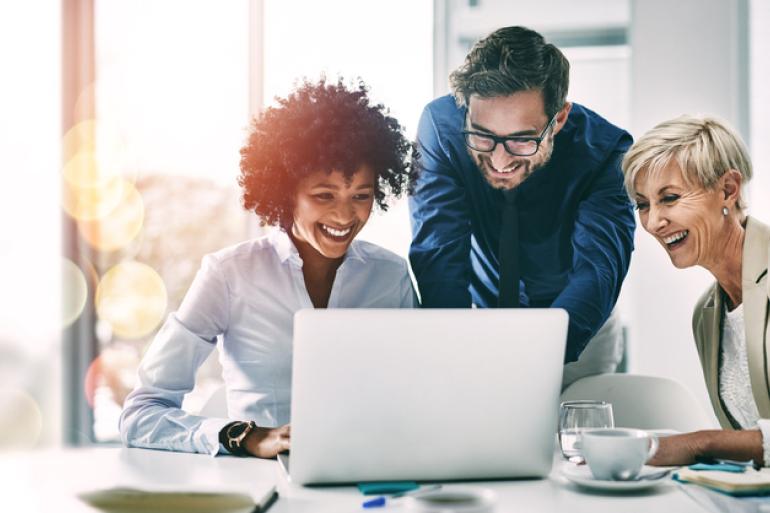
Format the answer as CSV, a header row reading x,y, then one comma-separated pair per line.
x,y
502,140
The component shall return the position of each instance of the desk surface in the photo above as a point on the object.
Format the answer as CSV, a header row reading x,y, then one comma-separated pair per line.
x,y
48,480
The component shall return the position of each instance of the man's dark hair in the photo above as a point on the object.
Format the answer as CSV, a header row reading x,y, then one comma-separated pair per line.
x,y
321,127
509,60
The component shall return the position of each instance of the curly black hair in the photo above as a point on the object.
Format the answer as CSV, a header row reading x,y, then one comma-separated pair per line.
x,y
322,127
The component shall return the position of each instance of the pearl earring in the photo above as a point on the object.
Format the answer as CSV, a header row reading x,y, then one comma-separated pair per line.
x,y
725,211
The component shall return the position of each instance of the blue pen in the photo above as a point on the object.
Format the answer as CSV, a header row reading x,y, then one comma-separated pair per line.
x,y
380,501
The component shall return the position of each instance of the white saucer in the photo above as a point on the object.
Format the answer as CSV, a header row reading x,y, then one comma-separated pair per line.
x,y
581,476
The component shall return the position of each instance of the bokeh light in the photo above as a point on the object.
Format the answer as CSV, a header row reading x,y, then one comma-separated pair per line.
x,y
95,170
92,380
20,420
102,142
114,371
117,228
101,151
74,292
88,203
85,170
132,298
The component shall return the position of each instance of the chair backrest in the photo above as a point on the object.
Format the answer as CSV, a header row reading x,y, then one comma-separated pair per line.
x,y
644,402
216,405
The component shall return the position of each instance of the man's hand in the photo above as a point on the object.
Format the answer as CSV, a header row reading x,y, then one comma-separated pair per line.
x,y
268,442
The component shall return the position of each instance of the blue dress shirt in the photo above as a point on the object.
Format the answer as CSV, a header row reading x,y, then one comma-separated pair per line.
x,y
577,222
243,299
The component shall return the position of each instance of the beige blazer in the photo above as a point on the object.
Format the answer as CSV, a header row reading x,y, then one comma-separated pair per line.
x,y
707,324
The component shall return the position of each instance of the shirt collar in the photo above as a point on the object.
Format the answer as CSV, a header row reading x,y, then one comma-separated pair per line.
x,y
354,252
285,248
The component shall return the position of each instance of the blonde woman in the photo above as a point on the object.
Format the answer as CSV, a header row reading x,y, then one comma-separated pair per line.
x,y
686,177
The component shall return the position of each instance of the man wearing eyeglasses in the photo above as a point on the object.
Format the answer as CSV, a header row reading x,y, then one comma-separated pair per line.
x,y
520,199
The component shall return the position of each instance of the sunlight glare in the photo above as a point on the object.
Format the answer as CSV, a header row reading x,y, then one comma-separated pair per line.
x,y
132,298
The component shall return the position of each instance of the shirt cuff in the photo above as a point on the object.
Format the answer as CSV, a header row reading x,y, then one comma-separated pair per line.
x,y
208,436
764,426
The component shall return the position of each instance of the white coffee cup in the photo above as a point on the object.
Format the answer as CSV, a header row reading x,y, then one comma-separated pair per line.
x,y
617,454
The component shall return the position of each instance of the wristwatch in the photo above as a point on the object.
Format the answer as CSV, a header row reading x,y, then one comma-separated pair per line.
x,y
234,434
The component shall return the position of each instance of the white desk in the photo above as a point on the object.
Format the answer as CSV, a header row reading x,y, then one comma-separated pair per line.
x,y
46,481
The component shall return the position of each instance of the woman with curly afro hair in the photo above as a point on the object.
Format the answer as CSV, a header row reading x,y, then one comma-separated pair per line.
x,y
314,167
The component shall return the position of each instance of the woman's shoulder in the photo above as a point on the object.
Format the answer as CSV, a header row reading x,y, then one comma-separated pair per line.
x,y
756,230
758,225
756,253
758,240
260,248
707,304
373,254
707,298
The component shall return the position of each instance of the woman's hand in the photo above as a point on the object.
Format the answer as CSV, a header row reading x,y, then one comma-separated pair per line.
x,y
268,442
680,449
733,445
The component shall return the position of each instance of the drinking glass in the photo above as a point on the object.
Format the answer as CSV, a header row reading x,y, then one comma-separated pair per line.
x,y
576,416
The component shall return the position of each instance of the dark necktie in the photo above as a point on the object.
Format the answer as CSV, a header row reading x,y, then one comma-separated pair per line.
x,y
508,254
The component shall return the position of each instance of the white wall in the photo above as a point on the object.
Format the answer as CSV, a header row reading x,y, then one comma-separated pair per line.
x,y
30,220
759,116
688,56
465,23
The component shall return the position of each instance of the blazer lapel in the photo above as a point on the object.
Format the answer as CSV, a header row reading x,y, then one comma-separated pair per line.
x,y
755,311
712,343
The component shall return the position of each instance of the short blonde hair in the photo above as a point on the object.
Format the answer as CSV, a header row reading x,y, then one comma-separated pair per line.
x,y
704,147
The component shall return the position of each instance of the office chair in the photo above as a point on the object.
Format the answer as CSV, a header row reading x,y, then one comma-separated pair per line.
x,y
644,402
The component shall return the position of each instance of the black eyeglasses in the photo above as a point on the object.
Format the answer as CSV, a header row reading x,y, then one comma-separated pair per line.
x,y
519,146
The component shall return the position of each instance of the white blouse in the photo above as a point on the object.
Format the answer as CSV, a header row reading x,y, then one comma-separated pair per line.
x,y
734,380
243,299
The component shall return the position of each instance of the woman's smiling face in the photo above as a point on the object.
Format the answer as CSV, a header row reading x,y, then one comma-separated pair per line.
x,y
685,218
330,210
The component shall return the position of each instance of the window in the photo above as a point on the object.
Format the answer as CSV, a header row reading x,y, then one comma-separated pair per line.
x,y
388,44
150,179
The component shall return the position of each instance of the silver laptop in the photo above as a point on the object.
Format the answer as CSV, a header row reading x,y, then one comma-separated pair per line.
x,y
424,394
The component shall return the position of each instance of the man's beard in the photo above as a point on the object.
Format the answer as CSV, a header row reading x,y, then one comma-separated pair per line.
x,y
528,165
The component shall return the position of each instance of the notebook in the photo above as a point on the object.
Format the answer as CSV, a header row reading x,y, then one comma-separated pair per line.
x,y
193,500
750,482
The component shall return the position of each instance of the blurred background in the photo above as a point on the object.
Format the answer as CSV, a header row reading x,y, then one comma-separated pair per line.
x,y
121,122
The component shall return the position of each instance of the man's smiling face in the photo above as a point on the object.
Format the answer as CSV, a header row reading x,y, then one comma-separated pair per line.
x,y
520,114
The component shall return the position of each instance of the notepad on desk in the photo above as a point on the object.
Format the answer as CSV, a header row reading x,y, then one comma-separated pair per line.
x,y
750,482
148,500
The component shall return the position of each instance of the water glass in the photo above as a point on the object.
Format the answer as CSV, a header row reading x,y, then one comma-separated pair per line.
x,y
576,416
